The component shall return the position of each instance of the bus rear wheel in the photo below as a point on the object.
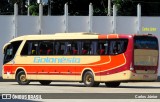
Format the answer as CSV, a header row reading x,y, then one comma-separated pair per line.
x,y
21,78
45,82
88,80
112,84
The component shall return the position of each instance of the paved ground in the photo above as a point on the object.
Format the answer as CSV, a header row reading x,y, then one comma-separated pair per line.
x,y
74,87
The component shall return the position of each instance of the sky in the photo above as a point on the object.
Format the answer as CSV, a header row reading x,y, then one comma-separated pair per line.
x,y
43,1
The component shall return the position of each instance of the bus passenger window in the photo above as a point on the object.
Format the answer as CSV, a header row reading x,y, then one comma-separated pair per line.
x,y
30,48
34,48
86,48
102,47
46,48
118,46
74,48
115,49
67,48
60,48
42,49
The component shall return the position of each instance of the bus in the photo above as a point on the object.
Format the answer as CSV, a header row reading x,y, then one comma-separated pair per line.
x,y
89,58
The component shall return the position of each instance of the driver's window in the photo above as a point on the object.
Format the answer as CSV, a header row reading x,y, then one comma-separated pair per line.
x,y
9,51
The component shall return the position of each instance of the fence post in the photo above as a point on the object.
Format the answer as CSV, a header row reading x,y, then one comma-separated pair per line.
x,y
109,7
28,7
114,19
66,17
90,16
138,19
15,19
49,7
40,18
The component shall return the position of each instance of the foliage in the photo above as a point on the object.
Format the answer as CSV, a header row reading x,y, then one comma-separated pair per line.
x,y
125,7
34,9
81,7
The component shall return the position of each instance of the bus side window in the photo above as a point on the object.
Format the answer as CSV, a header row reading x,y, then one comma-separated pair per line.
x,y
67,48
94,47
50,50
34,48
25,49
102,47
45,48
74,49
118,46
30,48
79,47
114,47
60,48
86,48
56,47
42,49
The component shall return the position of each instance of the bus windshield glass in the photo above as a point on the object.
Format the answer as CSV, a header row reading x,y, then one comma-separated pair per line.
x,y
10,51
145,42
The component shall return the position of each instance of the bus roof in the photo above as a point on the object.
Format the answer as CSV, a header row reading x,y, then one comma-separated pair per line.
x,y
56,36
61,36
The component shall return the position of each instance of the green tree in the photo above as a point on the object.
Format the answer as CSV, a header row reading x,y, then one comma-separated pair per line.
x,y
81,7
125,7
34,9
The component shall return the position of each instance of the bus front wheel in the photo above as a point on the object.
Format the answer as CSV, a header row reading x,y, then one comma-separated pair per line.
x,y
45,82
21,78
88,80
112,84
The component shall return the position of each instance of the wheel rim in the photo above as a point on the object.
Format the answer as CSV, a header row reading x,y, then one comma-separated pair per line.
x,y
23,78
88,79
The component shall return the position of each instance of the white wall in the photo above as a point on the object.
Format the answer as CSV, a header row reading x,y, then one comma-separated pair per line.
x,y
102,24
27,25
52,24
78,24
55,24
6,33
127,25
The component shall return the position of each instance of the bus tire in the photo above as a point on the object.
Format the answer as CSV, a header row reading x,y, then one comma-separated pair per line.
x,y
112,84
21,78
45,82
88,80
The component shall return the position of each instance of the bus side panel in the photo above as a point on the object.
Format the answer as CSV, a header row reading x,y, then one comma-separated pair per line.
x,y
119,67
7,72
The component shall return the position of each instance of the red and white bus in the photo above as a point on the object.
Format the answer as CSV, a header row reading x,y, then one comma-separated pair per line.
x,y
82,57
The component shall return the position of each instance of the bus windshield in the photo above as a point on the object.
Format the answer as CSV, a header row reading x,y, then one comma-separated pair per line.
x,y
10,51
145,42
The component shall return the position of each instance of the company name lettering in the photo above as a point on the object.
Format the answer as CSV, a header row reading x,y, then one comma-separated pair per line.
x,y
56,60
